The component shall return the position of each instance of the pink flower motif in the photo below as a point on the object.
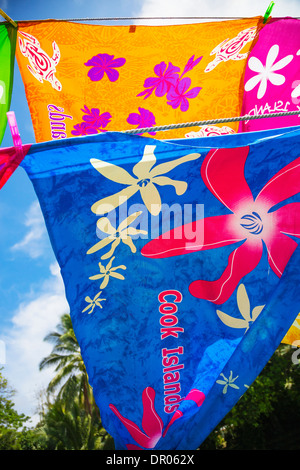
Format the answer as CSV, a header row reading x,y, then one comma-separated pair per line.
x,y
93,122
179,95
191,63
104,63
166,77
94,119
194,395
145,118
83,129
251,222
152,424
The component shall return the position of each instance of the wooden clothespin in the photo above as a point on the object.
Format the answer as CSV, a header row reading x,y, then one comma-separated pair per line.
x,y
12,22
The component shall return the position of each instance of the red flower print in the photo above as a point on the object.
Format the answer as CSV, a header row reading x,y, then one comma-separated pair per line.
x,y
104,63
151,422
250,221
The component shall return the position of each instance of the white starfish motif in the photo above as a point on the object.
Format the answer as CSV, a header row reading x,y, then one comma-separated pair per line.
x,y
267,72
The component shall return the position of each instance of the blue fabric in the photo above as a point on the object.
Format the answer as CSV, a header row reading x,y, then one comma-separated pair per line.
x,y
165,365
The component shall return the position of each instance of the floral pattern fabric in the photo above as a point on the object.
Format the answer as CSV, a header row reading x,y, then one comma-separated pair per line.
x,y
272,76
86,79
8,38
180,261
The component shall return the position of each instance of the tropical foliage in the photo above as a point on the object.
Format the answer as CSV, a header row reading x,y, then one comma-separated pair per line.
x,y
266,417
72,420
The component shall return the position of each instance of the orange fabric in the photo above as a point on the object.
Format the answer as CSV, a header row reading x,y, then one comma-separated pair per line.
x,y
292,337
60,64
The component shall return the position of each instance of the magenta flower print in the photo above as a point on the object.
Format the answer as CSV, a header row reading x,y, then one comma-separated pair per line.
x,y
93,122
166,77
94,119
168,82
252,222
104,63
83,129
144,118
191,63
180,94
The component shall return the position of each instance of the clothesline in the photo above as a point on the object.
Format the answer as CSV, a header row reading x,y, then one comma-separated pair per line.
x,y
209,122
129,18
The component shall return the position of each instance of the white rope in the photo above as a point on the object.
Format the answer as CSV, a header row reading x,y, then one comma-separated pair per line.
x,y
206,123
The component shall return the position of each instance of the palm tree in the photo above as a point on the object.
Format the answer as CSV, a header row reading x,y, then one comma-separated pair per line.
x,y
69,366
66,426
72,420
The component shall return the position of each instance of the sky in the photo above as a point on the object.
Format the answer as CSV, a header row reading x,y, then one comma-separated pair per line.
x,y
32,297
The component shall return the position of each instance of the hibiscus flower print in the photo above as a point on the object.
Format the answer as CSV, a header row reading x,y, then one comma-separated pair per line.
x,y
104,63
165,78
93,118
144,118
267,72
83,129
168,82
93,122
178,96
252,222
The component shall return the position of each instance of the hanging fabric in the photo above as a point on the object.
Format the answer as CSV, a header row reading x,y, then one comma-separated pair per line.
x,y
180,262
8,37
272,76
85,79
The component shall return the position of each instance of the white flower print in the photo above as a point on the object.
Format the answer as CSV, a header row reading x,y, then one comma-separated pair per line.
x,y
147,175
245,310
117,235
267,72
107,271
228,382
296,91
92,303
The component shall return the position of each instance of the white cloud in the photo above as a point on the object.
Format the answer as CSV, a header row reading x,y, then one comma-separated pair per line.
x,y
217,8
24,342
35,241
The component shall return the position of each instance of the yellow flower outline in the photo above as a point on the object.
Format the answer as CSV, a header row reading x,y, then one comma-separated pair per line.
x,y
93,302
107,272
116,235
146,177
244,308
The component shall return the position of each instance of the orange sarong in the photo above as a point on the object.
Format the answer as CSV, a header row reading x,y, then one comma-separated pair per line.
x,y
84,79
